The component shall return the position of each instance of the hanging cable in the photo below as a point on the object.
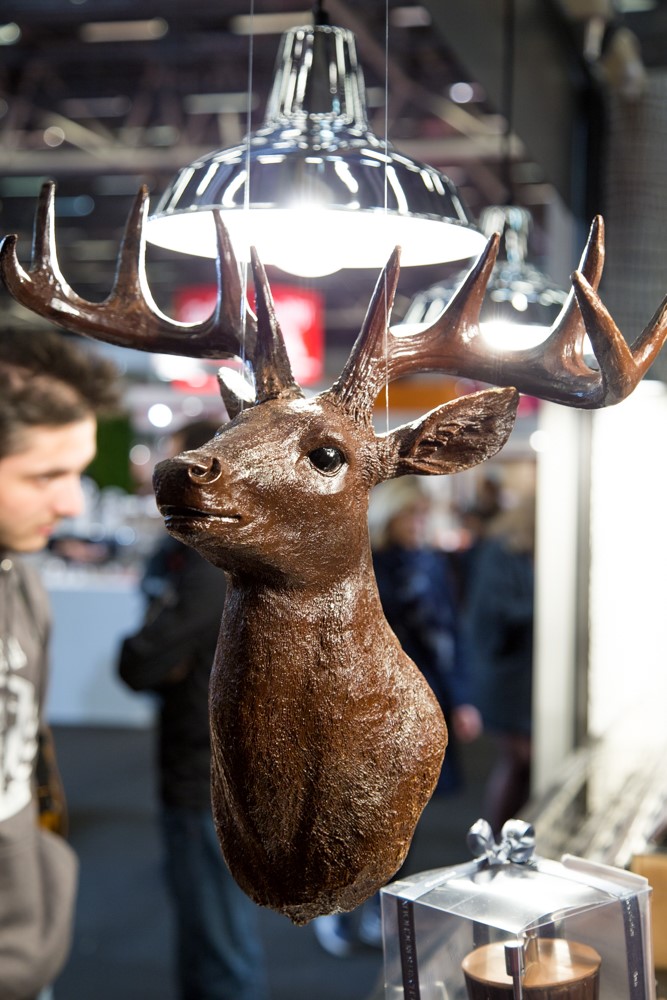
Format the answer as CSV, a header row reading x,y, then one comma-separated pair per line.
x,y
386,202
320,16
246,194
507,90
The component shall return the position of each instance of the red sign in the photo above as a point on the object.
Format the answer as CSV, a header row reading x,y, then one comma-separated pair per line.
x,y
300,313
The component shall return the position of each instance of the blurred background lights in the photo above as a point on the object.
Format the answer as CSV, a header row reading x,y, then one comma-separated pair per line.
x,y
140,454
10,33
146,30
171,367
506,336
54,136
461,93
416,16
80,205
539,441
160,415
192,406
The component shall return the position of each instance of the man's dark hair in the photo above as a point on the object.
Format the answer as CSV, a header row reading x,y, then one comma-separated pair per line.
x,y
49,380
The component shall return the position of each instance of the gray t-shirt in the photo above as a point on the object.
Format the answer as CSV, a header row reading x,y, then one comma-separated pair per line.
x,y
38,870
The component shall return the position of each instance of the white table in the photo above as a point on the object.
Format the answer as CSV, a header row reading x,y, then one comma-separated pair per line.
x,y
93,610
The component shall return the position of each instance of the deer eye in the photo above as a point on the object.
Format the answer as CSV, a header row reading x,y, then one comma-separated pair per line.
x,y
326,460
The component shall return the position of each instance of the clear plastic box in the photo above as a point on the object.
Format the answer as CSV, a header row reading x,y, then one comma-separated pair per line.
x,y
511,924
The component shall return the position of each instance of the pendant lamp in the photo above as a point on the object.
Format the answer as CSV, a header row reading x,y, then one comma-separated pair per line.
x,y
521,302
313,189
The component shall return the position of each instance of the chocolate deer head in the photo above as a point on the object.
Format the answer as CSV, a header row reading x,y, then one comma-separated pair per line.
x,y
326,740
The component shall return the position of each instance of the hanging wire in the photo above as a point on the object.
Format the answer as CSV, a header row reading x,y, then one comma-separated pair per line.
x,y
507,91
246,194
386,204
320,16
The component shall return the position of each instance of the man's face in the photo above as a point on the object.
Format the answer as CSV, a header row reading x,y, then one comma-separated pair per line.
x,y
41,483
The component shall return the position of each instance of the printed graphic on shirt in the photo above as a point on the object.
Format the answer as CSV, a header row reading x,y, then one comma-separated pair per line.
x,y
18,729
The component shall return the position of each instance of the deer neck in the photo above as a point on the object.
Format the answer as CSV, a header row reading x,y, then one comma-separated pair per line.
x,y
323,622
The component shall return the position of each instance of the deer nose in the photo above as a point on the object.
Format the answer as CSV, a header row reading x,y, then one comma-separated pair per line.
x,y
205,470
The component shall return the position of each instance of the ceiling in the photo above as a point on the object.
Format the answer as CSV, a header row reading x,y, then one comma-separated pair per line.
x,y
87,103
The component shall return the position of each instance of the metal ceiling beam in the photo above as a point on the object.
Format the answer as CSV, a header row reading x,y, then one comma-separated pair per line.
x,y
142,160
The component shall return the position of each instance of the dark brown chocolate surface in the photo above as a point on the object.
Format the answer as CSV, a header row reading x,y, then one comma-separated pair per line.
x,y
327,742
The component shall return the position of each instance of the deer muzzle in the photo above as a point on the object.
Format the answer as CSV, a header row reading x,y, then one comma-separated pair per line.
x,y
205,470
184,483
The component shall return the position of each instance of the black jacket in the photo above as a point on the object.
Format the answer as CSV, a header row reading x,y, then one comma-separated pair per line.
x,y
418,602
172,655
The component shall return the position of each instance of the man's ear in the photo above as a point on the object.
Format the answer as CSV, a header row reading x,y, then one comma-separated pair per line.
x,y
454,436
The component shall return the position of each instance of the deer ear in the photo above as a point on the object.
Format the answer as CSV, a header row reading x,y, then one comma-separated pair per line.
x,y
454,436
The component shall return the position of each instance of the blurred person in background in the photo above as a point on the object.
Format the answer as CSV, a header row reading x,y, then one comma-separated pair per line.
x,y
219,953
416,587
50,393
499,626
474,519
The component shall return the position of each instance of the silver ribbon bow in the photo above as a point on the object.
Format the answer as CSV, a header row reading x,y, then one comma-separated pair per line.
x,y
516,843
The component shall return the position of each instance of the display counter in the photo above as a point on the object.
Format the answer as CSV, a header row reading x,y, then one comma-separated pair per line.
x,y
93,609
609,802
610,806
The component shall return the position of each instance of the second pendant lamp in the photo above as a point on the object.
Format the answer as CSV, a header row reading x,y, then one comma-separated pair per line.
x,y
521,302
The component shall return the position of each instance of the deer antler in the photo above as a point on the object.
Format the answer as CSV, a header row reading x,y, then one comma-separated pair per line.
x,y
128,317
273,372
554,370
621,368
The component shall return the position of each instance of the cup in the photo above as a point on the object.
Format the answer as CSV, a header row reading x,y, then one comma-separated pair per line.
x,y
553,969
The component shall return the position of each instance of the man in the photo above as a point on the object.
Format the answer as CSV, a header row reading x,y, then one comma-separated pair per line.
x,y
219,955
50,393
